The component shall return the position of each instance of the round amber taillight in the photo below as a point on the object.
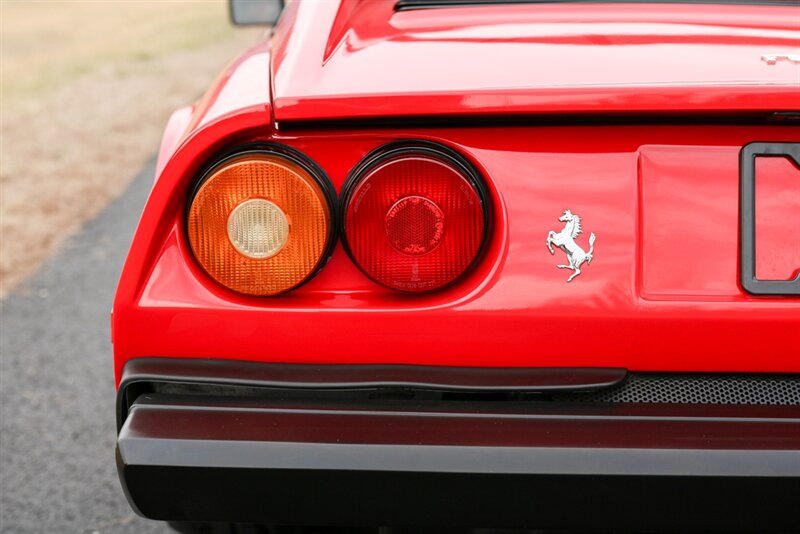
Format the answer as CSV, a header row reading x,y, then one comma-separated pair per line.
x,y
260,223
415,217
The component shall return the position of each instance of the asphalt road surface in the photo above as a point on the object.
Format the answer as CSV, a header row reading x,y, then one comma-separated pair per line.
x,y
57,433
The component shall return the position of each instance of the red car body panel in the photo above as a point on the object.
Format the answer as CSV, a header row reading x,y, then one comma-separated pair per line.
x,y
355,59
662,294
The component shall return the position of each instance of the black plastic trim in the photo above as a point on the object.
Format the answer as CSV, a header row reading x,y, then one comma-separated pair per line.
x,y
747,192
292,155
494,120
428,148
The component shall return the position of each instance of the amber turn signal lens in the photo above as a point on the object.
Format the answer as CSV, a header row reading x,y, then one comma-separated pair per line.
x,y
260,224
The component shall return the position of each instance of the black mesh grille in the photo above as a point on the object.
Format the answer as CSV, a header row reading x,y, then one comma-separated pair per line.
x,y
696,388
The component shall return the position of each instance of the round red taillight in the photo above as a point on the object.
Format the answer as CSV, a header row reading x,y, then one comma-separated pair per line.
x,y
414,217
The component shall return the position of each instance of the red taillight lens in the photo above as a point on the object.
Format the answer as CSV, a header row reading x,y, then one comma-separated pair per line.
x,y
414,218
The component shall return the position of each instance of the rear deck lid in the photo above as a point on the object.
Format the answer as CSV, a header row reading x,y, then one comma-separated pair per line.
x,y
359,59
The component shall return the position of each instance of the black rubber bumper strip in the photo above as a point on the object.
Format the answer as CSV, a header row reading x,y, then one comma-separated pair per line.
x,y
462,464
361,376
309,376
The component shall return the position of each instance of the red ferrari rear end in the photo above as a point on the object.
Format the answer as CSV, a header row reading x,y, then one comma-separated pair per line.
x,y
487,264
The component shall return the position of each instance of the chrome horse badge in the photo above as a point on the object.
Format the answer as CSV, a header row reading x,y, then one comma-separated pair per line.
x,y
565,240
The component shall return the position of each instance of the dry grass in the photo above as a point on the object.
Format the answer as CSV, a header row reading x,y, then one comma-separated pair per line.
x,y
86,90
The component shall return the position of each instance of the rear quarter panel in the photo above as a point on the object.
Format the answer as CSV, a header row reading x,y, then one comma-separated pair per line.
x,y
662,291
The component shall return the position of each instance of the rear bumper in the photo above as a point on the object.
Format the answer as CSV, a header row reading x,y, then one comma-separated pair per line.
x,y
289,459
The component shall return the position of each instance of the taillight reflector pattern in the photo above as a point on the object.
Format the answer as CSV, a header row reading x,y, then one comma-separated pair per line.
x,y
414,218
260,223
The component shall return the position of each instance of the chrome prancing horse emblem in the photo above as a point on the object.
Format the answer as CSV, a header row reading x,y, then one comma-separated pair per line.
x,y
565,240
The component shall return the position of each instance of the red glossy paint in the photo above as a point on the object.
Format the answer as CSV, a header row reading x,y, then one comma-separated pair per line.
x,y
662,290
545,58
